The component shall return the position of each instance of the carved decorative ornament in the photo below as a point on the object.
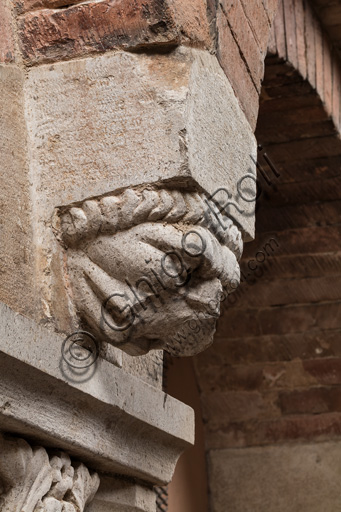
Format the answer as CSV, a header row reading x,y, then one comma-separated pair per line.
x,y
31,480
147,263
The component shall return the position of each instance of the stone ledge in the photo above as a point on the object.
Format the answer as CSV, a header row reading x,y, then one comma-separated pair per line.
x,y
113,422
118,495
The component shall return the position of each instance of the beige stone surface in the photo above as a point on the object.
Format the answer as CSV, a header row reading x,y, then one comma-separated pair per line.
x,y
99,125
288,478
16,233
119,495
148,367
110,420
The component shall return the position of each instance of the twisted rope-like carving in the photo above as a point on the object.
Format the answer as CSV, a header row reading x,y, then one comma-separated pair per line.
x,y
113,213
161,256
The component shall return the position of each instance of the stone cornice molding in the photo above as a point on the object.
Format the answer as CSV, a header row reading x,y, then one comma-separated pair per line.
x,y
100,420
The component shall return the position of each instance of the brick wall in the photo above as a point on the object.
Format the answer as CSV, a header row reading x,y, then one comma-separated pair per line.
x,y
243,30
299,39
6,35
273,375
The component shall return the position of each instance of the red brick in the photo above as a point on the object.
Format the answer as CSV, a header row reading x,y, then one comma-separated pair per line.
x,y
229,378
310,44
272,348
236,71
30,5
239,323
6,36
272,45
228,406
336,91
48,35
300,39
238,23
325,371
320,427
258,21
317,147
290,32
319,56
298,216
291,429
267,293
300,241
54,35
280,30
311,401
293,319
192,21
271,7
327,76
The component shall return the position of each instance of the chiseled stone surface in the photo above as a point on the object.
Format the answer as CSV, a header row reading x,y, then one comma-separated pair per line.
x,y
288,478
33,480
119,495
134,280
6,35
105,417
101,125
16,234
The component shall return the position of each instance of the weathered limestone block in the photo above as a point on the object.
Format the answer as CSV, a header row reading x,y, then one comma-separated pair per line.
x,y
16,222
110,420
110,129
119,495
31,480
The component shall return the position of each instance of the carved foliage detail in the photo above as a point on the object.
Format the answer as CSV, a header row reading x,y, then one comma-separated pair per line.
x,y
31,480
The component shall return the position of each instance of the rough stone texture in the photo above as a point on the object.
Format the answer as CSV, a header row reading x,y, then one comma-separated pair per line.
x,y
31,480
148,368
6,35
103,416
72,31
145,264
119,495
16,236
154,119
280,479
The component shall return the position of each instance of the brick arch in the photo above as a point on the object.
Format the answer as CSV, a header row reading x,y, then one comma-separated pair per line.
x,y
242,29
271,383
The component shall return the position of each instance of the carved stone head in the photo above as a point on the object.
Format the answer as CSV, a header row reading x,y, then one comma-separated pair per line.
x,y
147,268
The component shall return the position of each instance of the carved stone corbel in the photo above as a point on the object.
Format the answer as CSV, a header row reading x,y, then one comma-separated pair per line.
x,y
32,480
145,263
